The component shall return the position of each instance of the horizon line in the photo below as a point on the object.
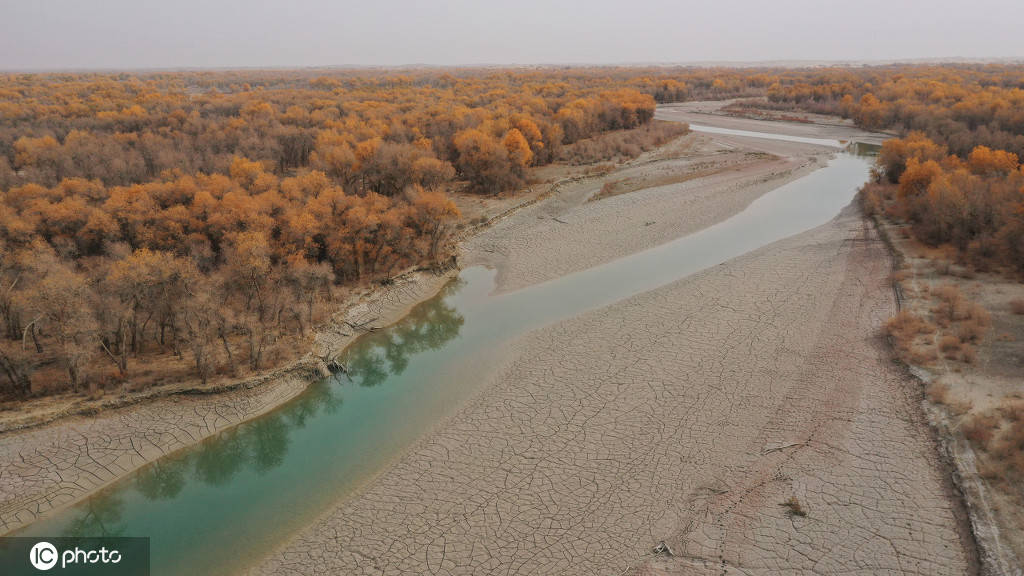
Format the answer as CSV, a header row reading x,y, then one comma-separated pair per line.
x,y
769,63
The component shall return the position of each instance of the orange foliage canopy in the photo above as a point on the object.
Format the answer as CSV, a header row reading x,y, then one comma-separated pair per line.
x,y
181,209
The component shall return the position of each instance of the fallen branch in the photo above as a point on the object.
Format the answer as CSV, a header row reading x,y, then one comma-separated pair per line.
x,y
783,447
362,325
663,549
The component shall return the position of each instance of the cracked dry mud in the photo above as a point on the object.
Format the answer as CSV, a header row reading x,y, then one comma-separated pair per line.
x,y
45,468
685,415
56,465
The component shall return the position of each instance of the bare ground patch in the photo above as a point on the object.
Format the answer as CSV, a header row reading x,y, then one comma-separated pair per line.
x,y
567,232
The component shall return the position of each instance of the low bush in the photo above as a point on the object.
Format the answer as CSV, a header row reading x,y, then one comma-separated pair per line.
x,y
1017,306
904,328
950,346
937,393
980,429
794,508
623,144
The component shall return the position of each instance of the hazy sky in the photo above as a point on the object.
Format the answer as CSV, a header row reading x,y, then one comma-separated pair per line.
x,y
220,33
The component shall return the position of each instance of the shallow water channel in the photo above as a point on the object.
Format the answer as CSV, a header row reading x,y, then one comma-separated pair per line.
x,y
224,504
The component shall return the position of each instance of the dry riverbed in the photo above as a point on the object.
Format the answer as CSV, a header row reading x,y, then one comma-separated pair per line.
x,y
746,419
686,415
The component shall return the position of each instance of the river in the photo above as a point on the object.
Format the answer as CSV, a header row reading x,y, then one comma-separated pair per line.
x,y
225,503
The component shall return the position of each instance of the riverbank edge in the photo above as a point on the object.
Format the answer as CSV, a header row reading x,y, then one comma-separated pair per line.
x,y
978,528
288,381
315,364
309,367
329,341
300,373
817,122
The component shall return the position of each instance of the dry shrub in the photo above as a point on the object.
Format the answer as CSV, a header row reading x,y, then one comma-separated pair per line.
x,y
1017,306
1012,409
938,393
621,145
968,355
973,327
96,389
973,320
951,304
906,325
1008,452
599,169
919,355
980,429
950,346
904,328
609,188
901,275
870,199
794,508
1003,442
47,380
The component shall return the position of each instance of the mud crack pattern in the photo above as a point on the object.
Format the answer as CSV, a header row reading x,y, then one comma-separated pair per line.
x,y
686,415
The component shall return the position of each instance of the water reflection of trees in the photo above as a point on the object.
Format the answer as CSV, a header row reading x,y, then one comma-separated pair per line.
x,y
162,479
100,516
261,445
863,149
428,327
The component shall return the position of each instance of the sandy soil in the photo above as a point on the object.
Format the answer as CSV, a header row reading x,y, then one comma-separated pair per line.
x,y
45,468
685,415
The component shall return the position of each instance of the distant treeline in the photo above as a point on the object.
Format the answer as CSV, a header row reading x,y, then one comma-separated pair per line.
x,y
955,174
208,214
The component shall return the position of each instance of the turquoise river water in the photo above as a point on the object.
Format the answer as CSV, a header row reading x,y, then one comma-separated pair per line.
x,y
225,503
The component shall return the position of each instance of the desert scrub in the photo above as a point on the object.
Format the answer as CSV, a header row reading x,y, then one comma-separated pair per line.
x,y
794,508
622,144
950,346
1017,306
999,436
904,329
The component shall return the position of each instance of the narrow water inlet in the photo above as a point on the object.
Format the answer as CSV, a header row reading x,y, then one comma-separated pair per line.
x,y
225,503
